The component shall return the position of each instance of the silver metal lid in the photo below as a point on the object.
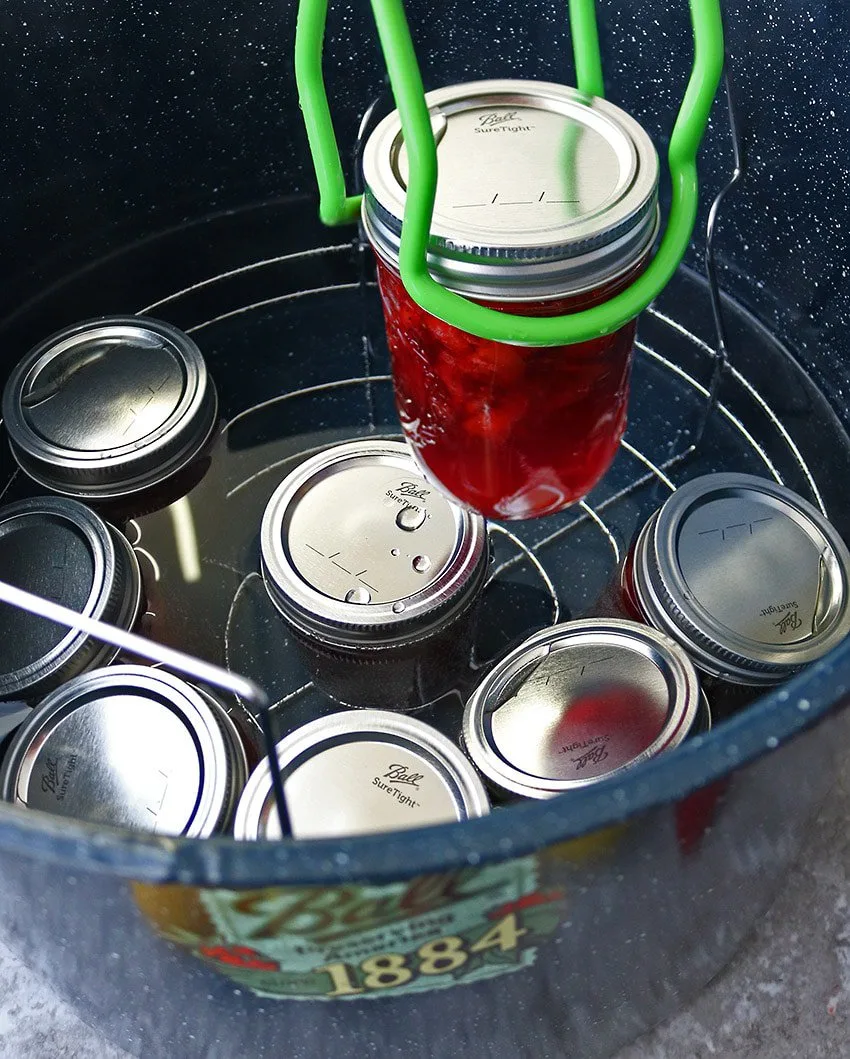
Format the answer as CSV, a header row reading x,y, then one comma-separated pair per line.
x,y
109,406
130,746
542,190
360,773
578,703
359,549
60,549
746,575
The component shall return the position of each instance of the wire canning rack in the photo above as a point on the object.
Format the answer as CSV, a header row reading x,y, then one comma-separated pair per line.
x,y
317,374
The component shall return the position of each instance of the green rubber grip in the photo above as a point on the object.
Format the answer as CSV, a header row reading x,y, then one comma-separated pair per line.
x,y
336,207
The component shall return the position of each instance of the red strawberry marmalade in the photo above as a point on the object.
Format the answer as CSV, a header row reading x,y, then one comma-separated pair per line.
x,y
512,431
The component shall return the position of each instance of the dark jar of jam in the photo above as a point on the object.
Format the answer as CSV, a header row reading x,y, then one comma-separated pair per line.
x,y
117,411
377,574
579,702
546,204
59,549
749,578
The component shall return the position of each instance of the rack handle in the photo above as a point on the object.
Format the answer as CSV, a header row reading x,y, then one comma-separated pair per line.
x,y
336,207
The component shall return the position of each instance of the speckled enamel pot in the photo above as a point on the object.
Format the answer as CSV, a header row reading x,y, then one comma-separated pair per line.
x,y
154,161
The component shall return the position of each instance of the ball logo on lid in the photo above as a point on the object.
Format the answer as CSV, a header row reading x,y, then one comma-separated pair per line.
x,y
596,754
412,497
400,774
413,489
50,780
501,121
790,622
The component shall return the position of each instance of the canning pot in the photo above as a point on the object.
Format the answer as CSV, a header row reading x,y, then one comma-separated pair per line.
x,y
154,162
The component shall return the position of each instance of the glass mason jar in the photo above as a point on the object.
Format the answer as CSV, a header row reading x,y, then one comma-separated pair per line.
x,y
118,411
749,578
579,702
377,575
132,746
546,204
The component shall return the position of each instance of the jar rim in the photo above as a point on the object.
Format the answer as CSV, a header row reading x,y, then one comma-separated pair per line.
x,y
671,603
534,247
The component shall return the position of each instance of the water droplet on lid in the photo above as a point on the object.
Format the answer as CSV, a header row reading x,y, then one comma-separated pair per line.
x,y
398,607
393,551
421,563
358,595
410,518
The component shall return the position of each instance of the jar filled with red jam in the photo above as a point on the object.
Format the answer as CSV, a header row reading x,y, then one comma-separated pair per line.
x,y
546,204
377,575
577,703
749,578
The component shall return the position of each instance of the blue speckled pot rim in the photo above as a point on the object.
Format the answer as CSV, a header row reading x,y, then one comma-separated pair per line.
x,y
774,720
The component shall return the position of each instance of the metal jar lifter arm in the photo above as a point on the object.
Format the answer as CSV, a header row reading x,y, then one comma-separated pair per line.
x,y
336,207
